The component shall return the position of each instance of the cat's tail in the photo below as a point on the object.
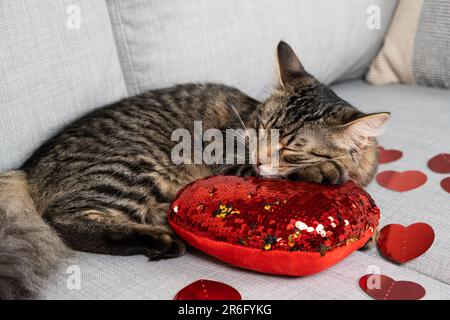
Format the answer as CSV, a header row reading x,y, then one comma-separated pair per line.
x,y
30,251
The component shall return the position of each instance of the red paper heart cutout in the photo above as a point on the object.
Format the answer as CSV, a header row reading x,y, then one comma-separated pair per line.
x,y
401,244
440,163
445,184
386,156
208,290
401,181
382,287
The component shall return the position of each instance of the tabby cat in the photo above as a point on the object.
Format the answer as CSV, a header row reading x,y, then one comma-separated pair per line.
x,y
104,183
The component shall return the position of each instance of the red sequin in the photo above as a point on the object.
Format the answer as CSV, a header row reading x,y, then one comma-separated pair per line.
x,y
274,214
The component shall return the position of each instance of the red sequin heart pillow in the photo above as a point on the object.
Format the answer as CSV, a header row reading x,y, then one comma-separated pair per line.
x,y
274,226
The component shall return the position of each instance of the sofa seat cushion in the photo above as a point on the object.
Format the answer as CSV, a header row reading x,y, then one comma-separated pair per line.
x,y
109,277
419,127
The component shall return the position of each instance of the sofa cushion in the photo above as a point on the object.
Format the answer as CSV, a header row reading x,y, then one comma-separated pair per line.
x,y
109,277
419,127
52,69
416,47
161,43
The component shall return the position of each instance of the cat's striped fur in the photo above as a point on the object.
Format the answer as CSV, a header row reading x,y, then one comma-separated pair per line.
x,y
104,183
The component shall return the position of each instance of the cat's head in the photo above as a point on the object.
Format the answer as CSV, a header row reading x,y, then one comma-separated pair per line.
x,y
322,137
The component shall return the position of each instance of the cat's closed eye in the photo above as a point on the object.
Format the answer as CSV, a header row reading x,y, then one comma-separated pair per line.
x,y
320,155
294,159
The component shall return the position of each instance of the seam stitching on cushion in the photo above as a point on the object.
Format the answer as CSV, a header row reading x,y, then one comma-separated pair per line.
x,y
126,51
404,266
115,50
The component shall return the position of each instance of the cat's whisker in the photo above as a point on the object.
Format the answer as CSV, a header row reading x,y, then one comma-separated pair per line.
x,y
306,163
237,116
260,121
239,137
349,155
300,165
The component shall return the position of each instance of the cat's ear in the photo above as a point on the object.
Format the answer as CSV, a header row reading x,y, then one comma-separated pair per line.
x,y
358,132
289,66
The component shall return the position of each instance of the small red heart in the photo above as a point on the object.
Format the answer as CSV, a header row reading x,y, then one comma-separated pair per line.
x,y
386,156
401,181
208,290
401,244
382,287
440,163
445,184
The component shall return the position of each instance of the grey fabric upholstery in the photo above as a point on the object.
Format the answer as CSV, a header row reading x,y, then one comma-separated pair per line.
x,y
413,110
161,43
49,73
419,126
106,277
431,59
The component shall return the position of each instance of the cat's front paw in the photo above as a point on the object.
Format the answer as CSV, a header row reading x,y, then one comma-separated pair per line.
x,y
173,248
327,172
372,241
240,170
